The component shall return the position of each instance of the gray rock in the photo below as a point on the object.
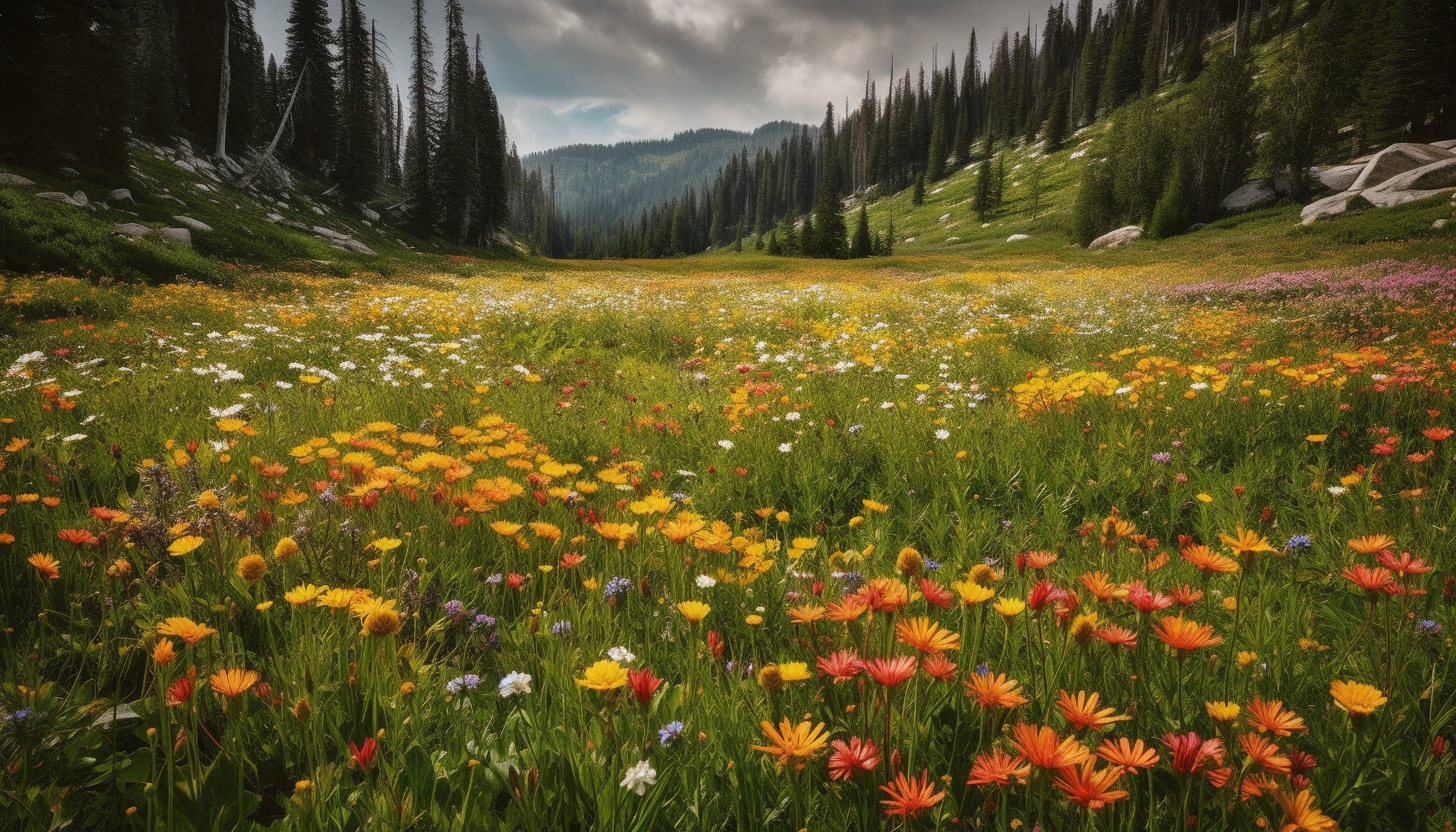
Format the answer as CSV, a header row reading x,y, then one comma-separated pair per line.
x,y
1259,193
70,173
354,246
1448,144
17,181
1016,238
195,225
132,230
1330,206
1433,177
1397,159
1338,178
80,198
330,234
1439,224
185,165
56,196
122,197
176,236
1120,237
369,213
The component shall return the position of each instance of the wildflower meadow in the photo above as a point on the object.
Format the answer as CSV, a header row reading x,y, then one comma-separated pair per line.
x,y
630,550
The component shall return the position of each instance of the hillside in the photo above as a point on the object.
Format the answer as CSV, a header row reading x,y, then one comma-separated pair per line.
x,y
60,222
619,181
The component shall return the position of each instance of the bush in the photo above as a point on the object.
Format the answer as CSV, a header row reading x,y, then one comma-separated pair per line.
x,y
40,236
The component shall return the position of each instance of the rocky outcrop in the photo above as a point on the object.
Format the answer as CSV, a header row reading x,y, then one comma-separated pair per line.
x,y
1338,178
15,180
57,196
1120,237
121,198
1397,159
1330,206
195,225
1259,193
1414,185
176,236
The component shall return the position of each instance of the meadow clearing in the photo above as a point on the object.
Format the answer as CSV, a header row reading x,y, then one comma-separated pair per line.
x,y
642,547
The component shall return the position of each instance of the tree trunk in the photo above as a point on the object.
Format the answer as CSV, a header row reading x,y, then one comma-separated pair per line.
x,y
224,90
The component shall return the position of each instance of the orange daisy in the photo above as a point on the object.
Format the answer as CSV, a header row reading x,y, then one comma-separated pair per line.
x,y
1207,561
1272,717
1185,635
1133,755
1089,788
994,691
1082,711
925,636
910,796
1372,544
1264,752
998,768
1043,748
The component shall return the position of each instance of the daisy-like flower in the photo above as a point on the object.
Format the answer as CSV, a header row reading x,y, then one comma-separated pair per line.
x,y
851,758
1133,755
925,636
1044,749
1090,788
937,666
304,594
1301,814
1264,753
972,593
1372,544
1082,711
995,691
997,768
1274,718
1356,698
840,666
1373,580
694,611
1207,561
1223,711
793,744
606,675
891,672
232,682
1185,635
1193,754
909,797
186,629
45,565
1246,543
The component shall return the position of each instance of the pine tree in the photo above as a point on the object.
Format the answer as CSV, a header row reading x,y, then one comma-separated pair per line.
x,y
828,236
356,159
419,152
309,57
982,202
861,245
917,190
457,174
156,98
1054,131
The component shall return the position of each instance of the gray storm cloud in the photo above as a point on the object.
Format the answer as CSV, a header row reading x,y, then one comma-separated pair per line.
x,y
573,71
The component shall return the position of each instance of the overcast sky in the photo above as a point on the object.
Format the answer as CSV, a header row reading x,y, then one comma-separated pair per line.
x,y
573,71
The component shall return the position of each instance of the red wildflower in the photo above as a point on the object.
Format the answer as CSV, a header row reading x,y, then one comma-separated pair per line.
x,y
644,683
853,757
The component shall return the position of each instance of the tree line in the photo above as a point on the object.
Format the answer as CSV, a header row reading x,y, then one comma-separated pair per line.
x,y
81,79
1387,68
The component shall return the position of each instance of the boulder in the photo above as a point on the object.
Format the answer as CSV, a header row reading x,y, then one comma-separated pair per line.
x,y
1330,206
1120,237
176,236
1448,144
70,173
369,213
944,217
1433,177
121,197
350,244
195,225
17,181
1397,159
1438,224
185,165
1016,238
1259,193
80,199
1338,178
56,196
132,230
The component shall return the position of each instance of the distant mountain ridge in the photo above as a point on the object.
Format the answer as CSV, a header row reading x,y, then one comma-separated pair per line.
x,y
604,183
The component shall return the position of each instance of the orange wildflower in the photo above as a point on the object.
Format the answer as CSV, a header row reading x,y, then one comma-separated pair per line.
x,y
1082,711
923,635
1089,788
910,797
1133,755
1043,748
1185,635
998,768
995,691
1272,717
